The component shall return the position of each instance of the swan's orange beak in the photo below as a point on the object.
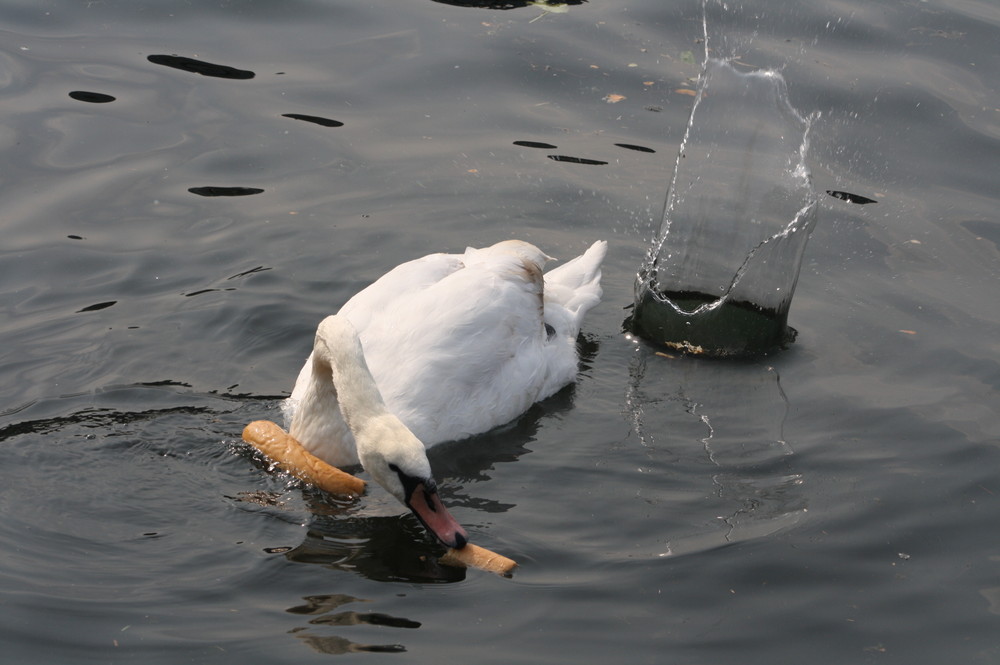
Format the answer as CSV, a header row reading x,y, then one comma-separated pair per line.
x,y
426,505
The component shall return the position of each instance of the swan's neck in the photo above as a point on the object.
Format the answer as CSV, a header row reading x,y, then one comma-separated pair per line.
x,y
337,355
384,444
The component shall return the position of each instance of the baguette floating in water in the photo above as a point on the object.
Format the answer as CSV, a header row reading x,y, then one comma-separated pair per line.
x,y
474,556
278,445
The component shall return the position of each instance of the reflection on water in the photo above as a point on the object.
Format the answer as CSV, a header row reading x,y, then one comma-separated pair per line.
x,y
326,612
577,160
133,533
225,191
378,548
740,411
586,161
508,4
315,119
201,67
91,97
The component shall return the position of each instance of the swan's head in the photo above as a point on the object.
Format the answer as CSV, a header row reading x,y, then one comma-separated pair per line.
x,y
396,460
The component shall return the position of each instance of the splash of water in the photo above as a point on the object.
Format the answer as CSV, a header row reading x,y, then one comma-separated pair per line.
x,y
720,275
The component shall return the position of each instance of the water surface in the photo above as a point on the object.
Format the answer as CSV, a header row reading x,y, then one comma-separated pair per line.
x,y
168,252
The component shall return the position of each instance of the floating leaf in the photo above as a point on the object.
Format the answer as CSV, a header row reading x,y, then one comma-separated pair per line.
x,y
614,98
685,91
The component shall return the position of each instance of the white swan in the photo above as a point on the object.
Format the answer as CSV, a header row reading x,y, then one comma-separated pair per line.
x,y
453,345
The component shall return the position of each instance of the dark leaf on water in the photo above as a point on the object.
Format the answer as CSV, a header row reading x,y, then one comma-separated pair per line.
x,y
225,191
100,305
536,144
325,122
850,198
576,160
630,146
200,67
91,97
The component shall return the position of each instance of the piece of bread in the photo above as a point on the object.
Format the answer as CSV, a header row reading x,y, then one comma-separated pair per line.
x,y
474,556
278,445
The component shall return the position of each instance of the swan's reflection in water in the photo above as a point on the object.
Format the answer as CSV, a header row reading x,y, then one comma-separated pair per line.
x,y
325,611
380,548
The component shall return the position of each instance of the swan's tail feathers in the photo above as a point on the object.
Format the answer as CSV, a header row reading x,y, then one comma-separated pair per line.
x,y
576,285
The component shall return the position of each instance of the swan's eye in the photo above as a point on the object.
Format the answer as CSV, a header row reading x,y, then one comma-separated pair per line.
x,y
429,500
408,482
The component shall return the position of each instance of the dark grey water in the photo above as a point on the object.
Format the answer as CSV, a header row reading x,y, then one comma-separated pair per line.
x,y
172,232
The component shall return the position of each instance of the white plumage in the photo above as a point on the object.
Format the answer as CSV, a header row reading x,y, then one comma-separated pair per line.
x,y
457,344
